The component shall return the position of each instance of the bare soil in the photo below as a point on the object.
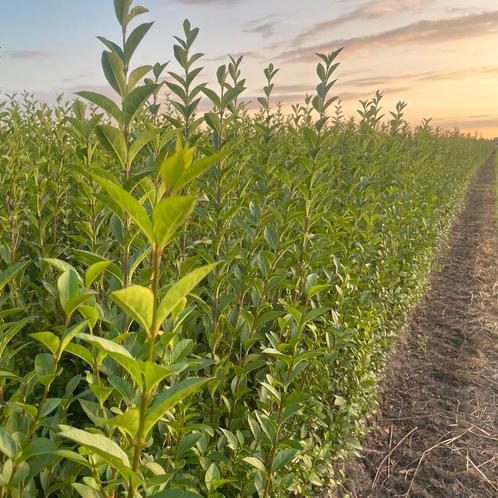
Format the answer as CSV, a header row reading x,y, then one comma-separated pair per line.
x,y
437,423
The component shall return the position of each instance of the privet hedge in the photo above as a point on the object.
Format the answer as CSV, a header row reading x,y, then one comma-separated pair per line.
x,y
200,304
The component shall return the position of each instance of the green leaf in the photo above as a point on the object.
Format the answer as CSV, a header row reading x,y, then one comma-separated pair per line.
x,y
134,39
12,329
113,68
20,474
110,451
7,275
113,141
311,315
232,94
80,352
136,259
72,456
272,351
49,406
105,344
136,75
61,265
176,493
102,101
135,100
179,291
186,443
68,286
130,205
271,236
95,270
170,397
90,258
9,375
268,426
112,47
213,97
320,71
138,302
48,339
316,289
180,55
44,367
91,313
213,121
255,462
177,90
232,440
119,354
136,11
168,215
71,334
38,446
212,475
153,373
196,169
140,142
86,491
283,457
128,421
76,301
121,9
173,166
7,443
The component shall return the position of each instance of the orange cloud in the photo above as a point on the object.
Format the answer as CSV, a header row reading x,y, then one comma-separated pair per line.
x,y
371,10
424,32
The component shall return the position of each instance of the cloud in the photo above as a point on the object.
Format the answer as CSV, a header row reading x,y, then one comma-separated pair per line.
x,y
370,81
490,121
470,72
225,57
25,54
363,94
293,88
266,28
272,46
464,10
374,9
383,80
295,96
423,32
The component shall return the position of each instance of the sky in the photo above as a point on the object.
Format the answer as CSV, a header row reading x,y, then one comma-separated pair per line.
x,y
440,56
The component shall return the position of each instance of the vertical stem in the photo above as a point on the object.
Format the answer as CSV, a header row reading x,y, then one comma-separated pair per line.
x,y
151,340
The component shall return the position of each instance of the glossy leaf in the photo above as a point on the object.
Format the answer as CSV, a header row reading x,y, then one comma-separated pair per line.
x,y
138,303
135,100
129,205
103,102
7,443
134,39
102,446
170,397
7,275
176,493
95,271
179,291
168,215
112,139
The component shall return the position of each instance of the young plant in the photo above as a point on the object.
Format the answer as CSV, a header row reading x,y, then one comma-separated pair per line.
x,y
188,95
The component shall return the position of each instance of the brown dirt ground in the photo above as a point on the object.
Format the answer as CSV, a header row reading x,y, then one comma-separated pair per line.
x,y
437,423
